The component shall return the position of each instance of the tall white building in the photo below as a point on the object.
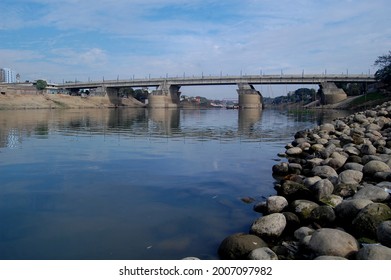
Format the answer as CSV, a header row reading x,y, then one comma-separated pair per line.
x,y
7,75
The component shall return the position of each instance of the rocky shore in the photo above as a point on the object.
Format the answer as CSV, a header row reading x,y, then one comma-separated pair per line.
x,y
333,195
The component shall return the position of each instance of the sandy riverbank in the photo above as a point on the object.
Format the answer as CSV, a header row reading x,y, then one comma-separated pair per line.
x,y
60,101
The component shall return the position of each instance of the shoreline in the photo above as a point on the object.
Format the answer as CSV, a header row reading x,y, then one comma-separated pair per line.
x,y
333,195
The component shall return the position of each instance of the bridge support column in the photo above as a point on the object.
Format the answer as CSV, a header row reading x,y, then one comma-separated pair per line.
x,y
165,96
249,97
331,94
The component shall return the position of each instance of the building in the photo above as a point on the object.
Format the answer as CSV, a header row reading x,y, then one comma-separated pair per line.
x,y
7,75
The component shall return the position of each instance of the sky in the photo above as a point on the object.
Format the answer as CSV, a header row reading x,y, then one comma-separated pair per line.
x,y
68,40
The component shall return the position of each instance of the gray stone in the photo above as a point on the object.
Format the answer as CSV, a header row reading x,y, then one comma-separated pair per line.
x,y
331,200
326,172
191,259
269,226
384,233
276,204
281,168
347,210
322,188
292,190
366,222
374,252
345,190
350,177
327,127
328,258
309,181
292,222
353,166
302,232
238,246
368,149
373,193
374,166
323,215
262,254
295,151
333,242
303,208
352,150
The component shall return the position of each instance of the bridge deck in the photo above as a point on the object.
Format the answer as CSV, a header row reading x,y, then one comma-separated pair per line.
x,y
223,80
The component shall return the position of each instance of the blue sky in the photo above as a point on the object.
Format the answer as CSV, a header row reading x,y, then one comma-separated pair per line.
x,y
70,39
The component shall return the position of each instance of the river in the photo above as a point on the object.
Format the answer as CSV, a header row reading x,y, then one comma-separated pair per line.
x,y
136,183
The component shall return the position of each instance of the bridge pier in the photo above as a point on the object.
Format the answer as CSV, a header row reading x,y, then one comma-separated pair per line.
x,y
249,97
165,96
331,94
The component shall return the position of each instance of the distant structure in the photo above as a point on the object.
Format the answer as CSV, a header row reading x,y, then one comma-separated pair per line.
x,y
7,76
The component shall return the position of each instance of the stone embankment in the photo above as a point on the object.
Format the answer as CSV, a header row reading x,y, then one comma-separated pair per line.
x,y
333,195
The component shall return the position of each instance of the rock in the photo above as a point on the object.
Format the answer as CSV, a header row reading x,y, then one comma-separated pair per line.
x,y
350,177
345,190
369,218
331,200
276,204
374,166
383,233
327,127
281,168
260,207
373,193
323,216
347,210
303,208
353,166
292,222
368,149
322,188
191,259
337,160
294,168
295,151
309,181
325,172
303,232
238,246
292,190
262,254
374,252
269,227
351,150
333,242
327,258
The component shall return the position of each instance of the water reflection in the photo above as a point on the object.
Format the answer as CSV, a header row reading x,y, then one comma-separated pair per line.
x,y
134,183
16,125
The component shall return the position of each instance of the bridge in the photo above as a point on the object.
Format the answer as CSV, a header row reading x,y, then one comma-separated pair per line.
x,y
167,91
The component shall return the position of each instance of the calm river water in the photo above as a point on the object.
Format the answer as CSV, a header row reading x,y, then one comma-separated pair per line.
x,y
135,183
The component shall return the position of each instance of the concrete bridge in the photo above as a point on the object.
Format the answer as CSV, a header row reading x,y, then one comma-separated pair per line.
x,y
167,89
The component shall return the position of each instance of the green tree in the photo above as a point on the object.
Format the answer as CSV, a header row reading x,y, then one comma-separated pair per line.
x,y
41,84
384,73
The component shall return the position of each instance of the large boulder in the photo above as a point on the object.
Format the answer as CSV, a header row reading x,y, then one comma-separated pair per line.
x,y
347,210
323,215
262,254
269,227
369,218
350,177
239,245
384,233
333,242
374,252
276,204
374,166
373,193
325,172
303,208
322,188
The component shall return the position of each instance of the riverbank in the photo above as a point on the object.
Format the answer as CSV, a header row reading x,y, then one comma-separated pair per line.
x,y
333,195
62,101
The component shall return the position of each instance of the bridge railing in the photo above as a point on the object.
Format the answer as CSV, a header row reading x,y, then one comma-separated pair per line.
x,y
226,80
